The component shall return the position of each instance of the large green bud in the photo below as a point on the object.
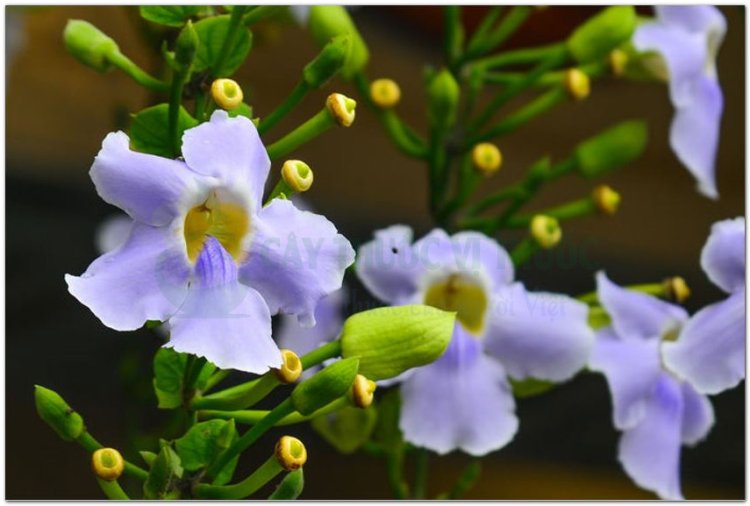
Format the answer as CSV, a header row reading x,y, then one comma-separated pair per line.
x,y
186,46
328,21
602,33
329,62
443,94
55,411
612,148
89,45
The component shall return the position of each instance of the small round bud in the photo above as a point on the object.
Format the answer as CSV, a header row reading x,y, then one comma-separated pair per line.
x,y
577,84
342,108
363,391
545,230
107,463
291,453
291,366
226,93
677,289
443,95
487,158
617,61
385,93
297,174
606,199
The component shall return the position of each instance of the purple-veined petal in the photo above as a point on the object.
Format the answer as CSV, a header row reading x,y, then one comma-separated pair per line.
x,y
538,335
650,451
461,401
387,265
637,315
723,255
710,351
113,232
479,254
632,368
697,415
329,320
222,320
229,149
296,258
144,279
151,189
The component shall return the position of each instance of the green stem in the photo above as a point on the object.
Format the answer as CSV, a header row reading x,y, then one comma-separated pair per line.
x,y
91,445
523,56
321,354
421,471
136,73
453,34
437,170
265,473
216,378
575,209
307,131
496,198
523,251
655,289
509,25
234,23
240,396
260,13
394,468
112,490
252,417
295,97
468,478
479,35
593,70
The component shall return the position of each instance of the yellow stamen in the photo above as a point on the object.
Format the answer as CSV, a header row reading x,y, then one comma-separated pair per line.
x,y
677,289
363,391
487,158
606,199
291,453
226,93
226,221
342,108
291,367
577,84
385,93
297,174
545,230
107,463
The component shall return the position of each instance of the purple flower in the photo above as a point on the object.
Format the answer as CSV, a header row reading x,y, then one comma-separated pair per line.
x,y
688,39
203,253
464,399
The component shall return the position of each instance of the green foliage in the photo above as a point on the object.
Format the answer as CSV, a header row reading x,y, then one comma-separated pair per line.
x,y
149,131
530,387
346,429
171,15
89,45
290,487
328,21
55,411
186,46
612,148
602,33
164,476
325,386
204,442
169,374
212,33
386,433
148,457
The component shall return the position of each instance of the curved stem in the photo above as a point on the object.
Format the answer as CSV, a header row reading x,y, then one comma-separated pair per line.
x,y
112,490
252,417
574,209
307,131
265,473
240,396
508,26
521,253
136,73
294,98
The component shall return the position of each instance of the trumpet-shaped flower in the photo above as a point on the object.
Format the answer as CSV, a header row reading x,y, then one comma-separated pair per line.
x,y
464,399
203,252
688,39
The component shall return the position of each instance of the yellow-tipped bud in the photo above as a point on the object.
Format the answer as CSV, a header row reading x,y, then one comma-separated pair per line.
x,y
363,391
291,367
487,158
291,453
577,84
297,174
342,108
617,61
606,199
385,93
545,230
226,93
677,289
107,463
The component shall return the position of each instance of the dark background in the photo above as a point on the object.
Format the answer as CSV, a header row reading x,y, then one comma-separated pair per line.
x,y
58,112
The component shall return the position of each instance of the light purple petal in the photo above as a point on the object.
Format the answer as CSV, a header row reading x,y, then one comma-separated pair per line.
x,y
710,351
538,335
145,279
479,254
113,232
151,189
632,368
650,451
387,265
461,401
723,256
229,149
435,252
692,18
697,416
329,320
637,315
296,258
222,320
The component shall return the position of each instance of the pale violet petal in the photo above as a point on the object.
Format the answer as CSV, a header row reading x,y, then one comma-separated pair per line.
x,y
329,320
697,416
723,255
113,232
692,18
476,253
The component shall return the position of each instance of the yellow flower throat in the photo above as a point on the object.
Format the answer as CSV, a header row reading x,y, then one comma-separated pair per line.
x,y
226,221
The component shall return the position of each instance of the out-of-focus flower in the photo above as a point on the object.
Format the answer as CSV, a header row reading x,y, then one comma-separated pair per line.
x,y
463,400
688,39
203,253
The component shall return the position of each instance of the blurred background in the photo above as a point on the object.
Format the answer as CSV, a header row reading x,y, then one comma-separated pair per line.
x,y
57,113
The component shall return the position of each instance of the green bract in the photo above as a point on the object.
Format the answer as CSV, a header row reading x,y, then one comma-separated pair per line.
x,y
390,340
328,21
325,387
442,94
611,149
165,472
212,32
89,45
170,15
203,443
186,46
169,372
55,411
602,33
329,62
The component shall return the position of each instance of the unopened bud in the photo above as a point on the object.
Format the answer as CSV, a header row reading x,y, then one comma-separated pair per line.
x,y
545,230
329,62
298,175
487,158
606,199
577,84
325,386
226,93
612,148
291,453
107,463
443,94
291,366
186,46
363,391
677,289
617,61
342,108
328,21
602,33
55,411
88,44
385,93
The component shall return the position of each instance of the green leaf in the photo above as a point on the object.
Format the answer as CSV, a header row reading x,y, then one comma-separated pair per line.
x,y
243,110
325,386
212,32
170,15
387,433
165,473
290,487
149,132
346,429
530,387
148,457
204,442
169,373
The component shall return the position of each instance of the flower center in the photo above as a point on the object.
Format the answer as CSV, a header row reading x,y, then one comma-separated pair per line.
x,y
226,221
463,295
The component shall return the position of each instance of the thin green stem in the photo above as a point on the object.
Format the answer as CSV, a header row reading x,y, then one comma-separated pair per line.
x,y
295,97
321,354
482,31
112,490
420,474
136,73
265,473
216,378
91,445
523,251
593,70
468,478
307,131
574,209
252,417
523,56
240,396
235,20
508,26
453,29
394,463
498,197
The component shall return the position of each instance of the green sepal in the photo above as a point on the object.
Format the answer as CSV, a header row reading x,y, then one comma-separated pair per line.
x,y
346,429
58,414
290,487
325,386
391,340
204,442
169,373
212,32
612,148
89,45
328,62
602,33
186,46
242,110
530,387
442,99
326,22
170,15
148,457
149,131
164,475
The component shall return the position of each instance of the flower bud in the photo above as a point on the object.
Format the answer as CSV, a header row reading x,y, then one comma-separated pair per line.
x,y
617,61
186,46
342,108
545,230
677,289
55,411
363,391
226,93
385,93
612,148
325,386
291,453
107,463
443,94
297,175
577,84
329,62
606,199
487,158
88,44
291,366
328,21
602,33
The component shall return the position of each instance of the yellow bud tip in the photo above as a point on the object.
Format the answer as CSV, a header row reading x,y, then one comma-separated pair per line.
x,y
363,391
385,93
487,158
618,61
291,367
107,463
342,108
297,174
677,289
606,199
545,230
577,84
226,93
291,453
